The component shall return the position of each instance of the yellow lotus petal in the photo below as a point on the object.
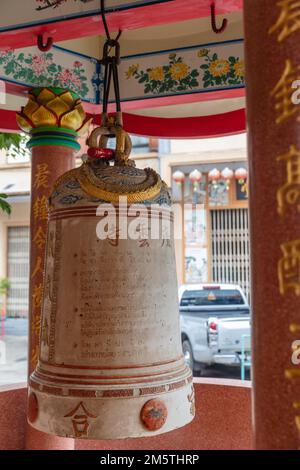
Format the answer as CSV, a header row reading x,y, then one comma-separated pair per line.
x,y
30,108
58,106
23,123
67,98
31,96
85,128
44,117
71,120
45,96
81,111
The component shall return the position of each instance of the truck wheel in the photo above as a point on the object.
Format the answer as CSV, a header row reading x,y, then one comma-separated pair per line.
x,y
188,354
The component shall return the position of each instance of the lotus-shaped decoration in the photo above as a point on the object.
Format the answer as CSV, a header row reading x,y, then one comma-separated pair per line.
x,y
53,107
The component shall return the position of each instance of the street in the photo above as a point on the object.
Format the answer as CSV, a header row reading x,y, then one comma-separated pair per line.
x,y
14,344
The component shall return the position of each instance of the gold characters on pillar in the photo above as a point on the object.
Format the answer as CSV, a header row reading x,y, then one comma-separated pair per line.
x,y
283,91
41,176
288,21
289,268
38,269
39,237
40,216
297,418
41,208
288,194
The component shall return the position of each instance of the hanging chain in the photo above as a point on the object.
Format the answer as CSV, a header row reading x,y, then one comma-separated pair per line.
x,y
110,61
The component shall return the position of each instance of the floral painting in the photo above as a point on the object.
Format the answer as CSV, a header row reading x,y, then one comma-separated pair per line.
x,y
218,71
41,69
45,4
191,71
174,77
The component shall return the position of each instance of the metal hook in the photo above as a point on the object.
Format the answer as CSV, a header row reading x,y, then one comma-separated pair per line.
x,y
214,23
44,47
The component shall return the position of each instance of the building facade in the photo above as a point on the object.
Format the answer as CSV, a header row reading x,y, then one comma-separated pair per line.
x,y
205,181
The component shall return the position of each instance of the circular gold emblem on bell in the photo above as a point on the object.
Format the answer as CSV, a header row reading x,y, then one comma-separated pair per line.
x,y
154,414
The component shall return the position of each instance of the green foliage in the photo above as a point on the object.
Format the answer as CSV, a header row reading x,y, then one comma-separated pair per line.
x,y
15,145
4,286
4,205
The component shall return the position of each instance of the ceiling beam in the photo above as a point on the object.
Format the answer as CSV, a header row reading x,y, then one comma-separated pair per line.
x,y
217,125
18,33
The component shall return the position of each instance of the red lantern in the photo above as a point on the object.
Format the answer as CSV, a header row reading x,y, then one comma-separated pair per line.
x,y
179,177
214,176
241,174
195,177
227,175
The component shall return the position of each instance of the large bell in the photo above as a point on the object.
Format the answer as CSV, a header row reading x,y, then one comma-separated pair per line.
x,y
110,363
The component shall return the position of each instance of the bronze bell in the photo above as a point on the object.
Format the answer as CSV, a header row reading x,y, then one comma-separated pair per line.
x,y
110,361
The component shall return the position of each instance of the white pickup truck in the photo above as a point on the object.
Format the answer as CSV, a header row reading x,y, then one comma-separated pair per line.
x,y
215,324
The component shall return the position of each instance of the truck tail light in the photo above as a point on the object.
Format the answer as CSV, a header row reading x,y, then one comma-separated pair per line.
x,y
212,332
213,326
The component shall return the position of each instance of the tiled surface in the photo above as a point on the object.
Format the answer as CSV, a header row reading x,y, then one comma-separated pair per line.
x,y
12,418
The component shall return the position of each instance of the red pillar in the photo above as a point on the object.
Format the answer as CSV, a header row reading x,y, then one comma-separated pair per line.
x,y
52,117
272,35
52,162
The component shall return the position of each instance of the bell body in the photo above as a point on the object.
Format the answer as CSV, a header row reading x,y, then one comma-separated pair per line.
x,y
111,363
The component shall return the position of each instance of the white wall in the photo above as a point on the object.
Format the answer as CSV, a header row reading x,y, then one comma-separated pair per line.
x,y
205,145
190,152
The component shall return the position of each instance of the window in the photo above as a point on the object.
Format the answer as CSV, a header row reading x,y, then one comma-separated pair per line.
x,y
211,297
218,194
18,272
139,144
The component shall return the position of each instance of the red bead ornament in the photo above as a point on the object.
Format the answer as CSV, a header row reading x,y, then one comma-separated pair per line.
x,y
101,153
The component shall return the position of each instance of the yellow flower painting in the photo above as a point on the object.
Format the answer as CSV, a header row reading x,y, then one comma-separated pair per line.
x,y
179,71
174,77
132,71
221,71
183,75
157,73
239,68
218,68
